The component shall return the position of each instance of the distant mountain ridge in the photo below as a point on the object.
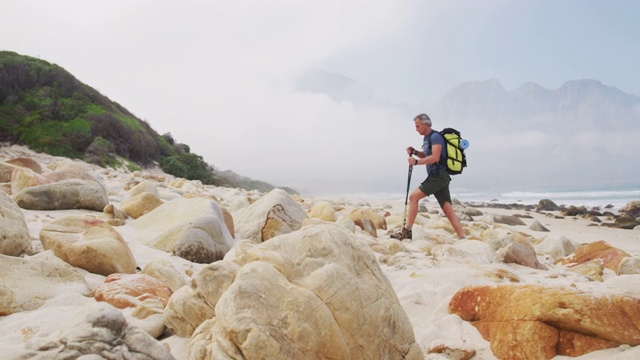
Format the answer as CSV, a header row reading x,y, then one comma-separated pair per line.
x,y
581,104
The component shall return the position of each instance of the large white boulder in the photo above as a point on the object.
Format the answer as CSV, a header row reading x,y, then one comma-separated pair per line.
x,y
273,214
88,243
315,293
193,229
27,283
15,238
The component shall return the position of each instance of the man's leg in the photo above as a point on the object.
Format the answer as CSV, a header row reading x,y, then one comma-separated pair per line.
x,y
447,208
414,198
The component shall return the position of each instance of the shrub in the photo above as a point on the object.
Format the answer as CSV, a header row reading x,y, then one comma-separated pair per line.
x,y
188,166
101,152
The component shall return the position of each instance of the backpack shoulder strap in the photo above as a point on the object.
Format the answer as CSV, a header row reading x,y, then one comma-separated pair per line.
x,y
430,135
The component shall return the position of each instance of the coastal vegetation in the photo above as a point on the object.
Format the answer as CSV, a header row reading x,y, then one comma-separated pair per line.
x,y
47,109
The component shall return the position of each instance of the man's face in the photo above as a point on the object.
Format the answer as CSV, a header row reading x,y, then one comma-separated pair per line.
x,y
422,129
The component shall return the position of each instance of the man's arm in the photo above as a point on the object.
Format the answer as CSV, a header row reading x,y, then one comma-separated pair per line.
x,y
436,150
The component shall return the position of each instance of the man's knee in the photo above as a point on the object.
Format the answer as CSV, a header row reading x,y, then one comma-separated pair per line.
x,y
416,195
446,206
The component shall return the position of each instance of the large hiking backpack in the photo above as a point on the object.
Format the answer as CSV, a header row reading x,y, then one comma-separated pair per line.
x,y
456,159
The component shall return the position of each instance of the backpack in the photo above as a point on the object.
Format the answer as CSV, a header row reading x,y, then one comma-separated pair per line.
x,y
456,159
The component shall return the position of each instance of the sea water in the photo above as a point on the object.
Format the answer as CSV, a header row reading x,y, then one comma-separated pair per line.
x,y
605,199
615,199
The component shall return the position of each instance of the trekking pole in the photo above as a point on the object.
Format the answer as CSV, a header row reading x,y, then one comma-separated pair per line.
x,y
404,221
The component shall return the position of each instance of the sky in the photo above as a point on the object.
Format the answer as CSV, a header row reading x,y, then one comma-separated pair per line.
x,y
221,76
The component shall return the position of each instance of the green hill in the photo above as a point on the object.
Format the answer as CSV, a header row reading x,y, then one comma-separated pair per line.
x,y
47,109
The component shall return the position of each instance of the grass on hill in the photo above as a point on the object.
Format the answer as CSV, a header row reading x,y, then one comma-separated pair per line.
x,y
47,109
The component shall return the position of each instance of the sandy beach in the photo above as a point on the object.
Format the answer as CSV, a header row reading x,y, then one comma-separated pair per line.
x,y
425,273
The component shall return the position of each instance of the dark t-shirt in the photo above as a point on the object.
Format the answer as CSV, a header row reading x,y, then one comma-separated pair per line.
x,y
436,137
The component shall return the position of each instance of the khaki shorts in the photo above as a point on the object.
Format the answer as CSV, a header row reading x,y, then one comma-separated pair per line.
x,y
437,186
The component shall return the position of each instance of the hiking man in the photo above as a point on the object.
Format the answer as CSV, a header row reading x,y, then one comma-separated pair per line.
x,y
434,156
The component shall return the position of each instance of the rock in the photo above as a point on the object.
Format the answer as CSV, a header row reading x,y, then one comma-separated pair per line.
x,y
355,313
609,256
508,220
575,211
148,307
501,237
164,271
626,221
521,252
465,217
471,211
196,303
63,195
323,210
186,310
88,243
452,353
547,205
213,280
228,218
140,204
26,163
130,290
367,226
44,276
591,268
68,169
346,223
629,266
631,209
537,226
15,239
143,187
556,247
623,222
594,219
378,220
152,325
394,246
115,216
97,330
192,229
465,252
22,178
273,214
537,322
6,171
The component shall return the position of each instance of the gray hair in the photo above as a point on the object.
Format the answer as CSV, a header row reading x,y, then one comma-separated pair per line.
x,y
424,119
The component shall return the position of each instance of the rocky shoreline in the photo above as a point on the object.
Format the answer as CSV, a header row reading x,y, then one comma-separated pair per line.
x,y
111,264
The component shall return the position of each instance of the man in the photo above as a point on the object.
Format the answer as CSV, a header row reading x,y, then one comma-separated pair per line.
x,y
434,156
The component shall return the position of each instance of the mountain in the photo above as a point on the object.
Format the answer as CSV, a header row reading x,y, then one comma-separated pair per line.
x,y
580,135
576,105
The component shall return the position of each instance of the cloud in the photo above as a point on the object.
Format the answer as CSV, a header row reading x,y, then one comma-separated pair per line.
x,y
221,77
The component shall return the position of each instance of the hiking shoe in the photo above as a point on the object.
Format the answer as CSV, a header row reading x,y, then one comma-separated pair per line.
x,y
401,234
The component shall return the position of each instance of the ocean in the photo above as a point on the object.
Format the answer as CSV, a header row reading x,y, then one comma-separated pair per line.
x,y
590,199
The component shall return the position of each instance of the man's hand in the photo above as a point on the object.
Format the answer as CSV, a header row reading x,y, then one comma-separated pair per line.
x,y
411,150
